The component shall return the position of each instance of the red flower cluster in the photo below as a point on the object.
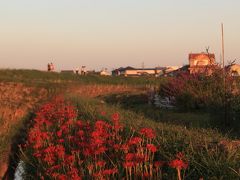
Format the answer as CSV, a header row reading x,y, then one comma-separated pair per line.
x,y
67,148
178,163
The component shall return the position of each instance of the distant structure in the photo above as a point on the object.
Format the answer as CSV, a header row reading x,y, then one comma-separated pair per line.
x,y
157,71
104,72
233,69
130,71
201,63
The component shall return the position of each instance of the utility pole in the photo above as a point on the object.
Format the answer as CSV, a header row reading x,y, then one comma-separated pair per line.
x,y
225,100
223,64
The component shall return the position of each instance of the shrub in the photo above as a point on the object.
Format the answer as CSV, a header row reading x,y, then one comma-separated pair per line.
x,y
218,93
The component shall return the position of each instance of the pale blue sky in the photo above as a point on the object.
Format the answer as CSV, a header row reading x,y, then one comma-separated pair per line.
x,y
111,33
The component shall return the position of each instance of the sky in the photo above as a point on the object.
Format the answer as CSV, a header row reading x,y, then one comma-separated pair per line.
x,y
113,33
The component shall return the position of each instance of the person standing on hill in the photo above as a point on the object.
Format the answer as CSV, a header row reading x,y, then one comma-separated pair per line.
x,y
51,67
48,67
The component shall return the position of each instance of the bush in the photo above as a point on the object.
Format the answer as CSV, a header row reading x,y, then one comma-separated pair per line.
x,y
215,93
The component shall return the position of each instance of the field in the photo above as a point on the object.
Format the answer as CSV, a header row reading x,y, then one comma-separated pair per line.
x,y
183,145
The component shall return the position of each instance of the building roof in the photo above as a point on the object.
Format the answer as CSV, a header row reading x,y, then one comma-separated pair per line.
x,y
131,68
197,55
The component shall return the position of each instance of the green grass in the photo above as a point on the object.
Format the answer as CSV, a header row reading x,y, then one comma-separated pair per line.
x,y
39,77
138,103
201,146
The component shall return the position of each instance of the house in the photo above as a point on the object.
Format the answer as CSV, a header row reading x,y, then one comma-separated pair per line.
x,y
130,71
176,71
234,69
104,72
121,71
201,63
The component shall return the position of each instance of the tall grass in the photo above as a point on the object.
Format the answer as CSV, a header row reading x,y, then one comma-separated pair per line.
x,y
137,101
217,95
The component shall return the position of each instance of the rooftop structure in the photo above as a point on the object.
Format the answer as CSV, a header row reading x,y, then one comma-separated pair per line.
x,y
201,63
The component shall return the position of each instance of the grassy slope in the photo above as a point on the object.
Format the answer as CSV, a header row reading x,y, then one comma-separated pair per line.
x,y
41,77
16,100
21,91
138,102
202,146
208,156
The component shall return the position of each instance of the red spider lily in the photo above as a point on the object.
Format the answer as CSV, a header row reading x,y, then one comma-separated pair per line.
x,y
60,151
128,164
49,159
100,163
115,117
148,132
140,158
116,147
135,141
103,113
61,177
69,159
100,150
54,168
59,133
50,149
125,148
110,171
178,164
146,175
90,167
80,133
129,156
73,174
37,155
60,140
73,149
151,148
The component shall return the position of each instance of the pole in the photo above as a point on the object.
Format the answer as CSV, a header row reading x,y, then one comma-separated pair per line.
x,y
224,81
223,64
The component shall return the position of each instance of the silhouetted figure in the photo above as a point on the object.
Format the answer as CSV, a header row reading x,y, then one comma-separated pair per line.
x,y
48,67
51,67
83,71
77,70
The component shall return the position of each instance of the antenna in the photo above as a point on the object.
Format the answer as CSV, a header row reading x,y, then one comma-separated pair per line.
x,y
207,49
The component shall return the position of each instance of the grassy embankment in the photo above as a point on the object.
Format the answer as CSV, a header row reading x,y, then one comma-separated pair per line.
x,y
211,154
16,101
23,90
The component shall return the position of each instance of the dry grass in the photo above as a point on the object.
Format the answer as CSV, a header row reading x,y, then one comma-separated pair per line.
x,y
15,102
99,90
